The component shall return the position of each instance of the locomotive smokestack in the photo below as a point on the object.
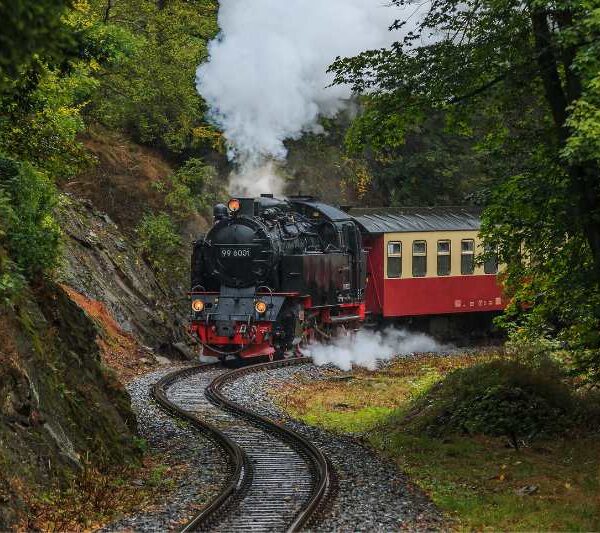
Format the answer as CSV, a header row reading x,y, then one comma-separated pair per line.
x,y
219,212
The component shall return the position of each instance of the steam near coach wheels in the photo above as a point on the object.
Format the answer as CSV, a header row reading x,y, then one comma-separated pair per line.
x,y
271,274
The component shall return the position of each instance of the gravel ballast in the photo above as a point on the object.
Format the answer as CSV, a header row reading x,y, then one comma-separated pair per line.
x,y
180,445
372,494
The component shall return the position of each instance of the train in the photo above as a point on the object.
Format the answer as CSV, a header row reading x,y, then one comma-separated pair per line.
x,y
274,274
423,272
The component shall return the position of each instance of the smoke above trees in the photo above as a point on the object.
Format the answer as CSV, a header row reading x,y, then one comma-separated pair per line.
x,y
266,79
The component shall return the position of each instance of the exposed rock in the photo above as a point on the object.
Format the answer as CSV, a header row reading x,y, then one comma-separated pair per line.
x,y
100,263
57,403
184,350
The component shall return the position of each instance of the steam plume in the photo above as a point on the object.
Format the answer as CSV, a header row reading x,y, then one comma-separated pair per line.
x,y
366,348
266,78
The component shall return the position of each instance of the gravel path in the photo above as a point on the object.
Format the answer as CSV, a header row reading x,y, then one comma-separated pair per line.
x,y
372,495
181,445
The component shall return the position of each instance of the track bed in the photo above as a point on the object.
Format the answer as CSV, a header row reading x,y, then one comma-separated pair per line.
x,y
277,479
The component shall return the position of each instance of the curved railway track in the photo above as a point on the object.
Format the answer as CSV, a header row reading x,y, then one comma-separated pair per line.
x,y
277,480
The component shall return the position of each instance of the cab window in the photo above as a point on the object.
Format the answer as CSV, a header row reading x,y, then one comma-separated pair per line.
x,y
394,259
467,256
443,258
419,259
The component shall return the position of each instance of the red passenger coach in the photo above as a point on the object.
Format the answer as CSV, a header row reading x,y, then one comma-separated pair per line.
x,y
422,262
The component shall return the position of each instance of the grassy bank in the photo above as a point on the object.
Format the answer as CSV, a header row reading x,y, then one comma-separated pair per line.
x,y
480,482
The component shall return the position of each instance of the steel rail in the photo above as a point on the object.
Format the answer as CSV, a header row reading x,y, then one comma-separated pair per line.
x,y
241,469
320,469
240,476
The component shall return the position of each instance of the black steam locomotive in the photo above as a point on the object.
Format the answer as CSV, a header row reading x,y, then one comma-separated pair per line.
x,y
272,274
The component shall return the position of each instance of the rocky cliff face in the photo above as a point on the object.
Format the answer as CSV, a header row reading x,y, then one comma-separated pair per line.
x,y
59,405
103,264
61,402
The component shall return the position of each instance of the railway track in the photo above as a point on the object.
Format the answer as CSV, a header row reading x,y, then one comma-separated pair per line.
x,y
277,480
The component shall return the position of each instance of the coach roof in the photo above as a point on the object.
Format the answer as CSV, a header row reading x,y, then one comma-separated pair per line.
x,y
405,219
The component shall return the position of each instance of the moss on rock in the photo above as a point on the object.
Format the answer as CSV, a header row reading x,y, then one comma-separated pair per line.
x,y
58,407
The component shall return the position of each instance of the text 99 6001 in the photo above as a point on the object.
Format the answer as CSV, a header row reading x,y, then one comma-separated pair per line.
x,y
230,252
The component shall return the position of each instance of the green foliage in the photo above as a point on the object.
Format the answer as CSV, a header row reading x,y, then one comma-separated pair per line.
x,y
160,243
30,29
528,116
583,143
31,235
42,126
498,398
193,188
550,271
149,91
11,280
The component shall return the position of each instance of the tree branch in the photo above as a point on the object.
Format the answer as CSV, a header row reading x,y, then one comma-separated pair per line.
x,y
479,90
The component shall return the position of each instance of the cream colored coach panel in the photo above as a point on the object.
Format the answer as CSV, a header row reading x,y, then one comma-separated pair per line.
x,y
432,238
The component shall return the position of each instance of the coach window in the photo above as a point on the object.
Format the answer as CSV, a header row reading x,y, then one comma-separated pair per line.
x,y
394,259
490,265
467,256
443,258
419,260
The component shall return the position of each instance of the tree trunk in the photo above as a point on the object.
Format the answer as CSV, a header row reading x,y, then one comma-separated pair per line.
x,y
584,177
107,11
548,66
586,183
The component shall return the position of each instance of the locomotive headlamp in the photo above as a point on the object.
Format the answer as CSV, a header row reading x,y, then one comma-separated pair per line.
x,y
261,307
234,205
198,306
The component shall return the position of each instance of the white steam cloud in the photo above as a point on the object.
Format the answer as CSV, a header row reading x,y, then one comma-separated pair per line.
x,y
366,348
266,78
252,179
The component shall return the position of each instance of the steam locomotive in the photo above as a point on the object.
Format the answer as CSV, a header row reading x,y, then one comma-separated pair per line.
x,y
272,274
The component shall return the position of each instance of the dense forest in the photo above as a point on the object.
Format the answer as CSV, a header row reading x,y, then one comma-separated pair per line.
x,y
519,84
453,113
70,67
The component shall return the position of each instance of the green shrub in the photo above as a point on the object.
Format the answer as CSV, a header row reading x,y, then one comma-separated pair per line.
x,y
498,398
193,188
160,243
30,234
11,280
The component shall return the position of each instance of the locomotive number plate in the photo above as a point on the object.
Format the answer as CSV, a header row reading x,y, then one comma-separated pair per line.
x,y
235,252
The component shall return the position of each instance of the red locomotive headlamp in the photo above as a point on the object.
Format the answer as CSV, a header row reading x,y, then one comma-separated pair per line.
x,y
233,205
261,307
198,306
